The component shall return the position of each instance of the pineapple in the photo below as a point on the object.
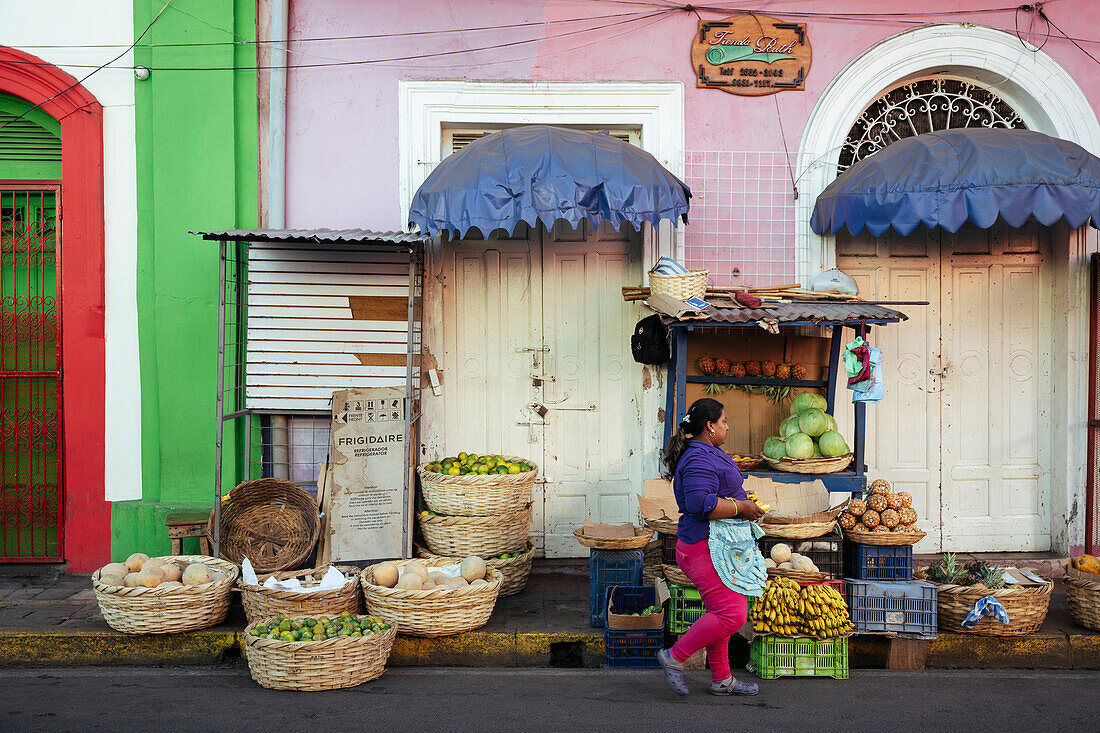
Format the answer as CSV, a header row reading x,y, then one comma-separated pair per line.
x,y
945,570
752,368
870,519
895,502
738,370
877,502
767,368
880,486
707,365
906,498
798,371
890,518
856,507
722,367
782,371
881,528
908,515
847,520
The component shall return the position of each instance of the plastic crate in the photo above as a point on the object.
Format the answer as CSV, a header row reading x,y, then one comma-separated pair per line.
x,y
627,599
829,560
685,606
878,562
668,549
632,648
908,608
782,656
605,569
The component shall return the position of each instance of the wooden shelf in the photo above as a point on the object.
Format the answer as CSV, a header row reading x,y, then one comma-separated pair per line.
x,y
765,382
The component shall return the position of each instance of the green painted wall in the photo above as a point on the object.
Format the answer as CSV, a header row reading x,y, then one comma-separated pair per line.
x,y
196,169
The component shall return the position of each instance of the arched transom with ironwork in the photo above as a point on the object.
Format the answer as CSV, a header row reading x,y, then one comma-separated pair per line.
x,y
921,106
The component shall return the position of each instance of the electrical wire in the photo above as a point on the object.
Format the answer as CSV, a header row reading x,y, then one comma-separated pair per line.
x,y
1043,15
78,82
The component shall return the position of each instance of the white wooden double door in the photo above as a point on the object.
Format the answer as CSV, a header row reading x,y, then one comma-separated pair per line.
x,y
966,419
537,363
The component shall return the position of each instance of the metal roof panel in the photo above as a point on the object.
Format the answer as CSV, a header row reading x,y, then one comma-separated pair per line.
x,y
315,236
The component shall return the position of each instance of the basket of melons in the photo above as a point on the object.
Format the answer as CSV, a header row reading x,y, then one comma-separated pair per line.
x,y
318,653
475,485
164,595
515,566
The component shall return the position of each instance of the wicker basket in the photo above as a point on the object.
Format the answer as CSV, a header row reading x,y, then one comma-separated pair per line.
x,y
167,610
1083,599
810,465
476,495
892,539
328,664
664,525
692,284
433,613
480,536
803,531
674,574
270,521
651,562
1026,607
797,576
260,602
641,538
748,464
515,570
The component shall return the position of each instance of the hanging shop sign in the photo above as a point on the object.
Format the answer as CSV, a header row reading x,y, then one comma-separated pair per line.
x,y
751,55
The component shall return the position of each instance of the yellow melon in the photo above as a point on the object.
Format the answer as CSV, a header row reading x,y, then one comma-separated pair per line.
x,y
1087,564
437,577
111,578
385,574
197,574
114,568
410,581
150,578
135,562
416,566
781,553
472,568
171,571
131,580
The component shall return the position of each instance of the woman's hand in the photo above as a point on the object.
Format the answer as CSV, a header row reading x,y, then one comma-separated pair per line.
x,y
749,509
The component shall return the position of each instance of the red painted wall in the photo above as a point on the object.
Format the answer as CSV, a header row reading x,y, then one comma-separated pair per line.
x,y
86,515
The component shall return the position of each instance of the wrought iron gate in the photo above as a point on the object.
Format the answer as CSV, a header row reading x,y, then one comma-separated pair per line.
x,y
30,373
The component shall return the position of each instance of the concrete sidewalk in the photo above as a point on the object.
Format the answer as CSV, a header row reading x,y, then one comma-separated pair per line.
x,y
51,619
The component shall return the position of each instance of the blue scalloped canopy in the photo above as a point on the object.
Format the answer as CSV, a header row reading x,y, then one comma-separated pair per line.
x,y
543,173
947,178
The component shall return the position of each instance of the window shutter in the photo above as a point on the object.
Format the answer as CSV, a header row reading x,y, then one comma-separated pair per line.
x,y
30,146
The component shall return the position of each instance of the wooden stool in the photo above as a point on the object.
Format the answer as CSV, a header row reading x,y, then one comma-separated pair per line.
x,y
187,524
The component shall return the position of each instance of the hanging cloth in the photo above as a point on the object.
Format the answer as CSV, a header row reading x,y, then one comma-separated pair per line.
x,y
736,556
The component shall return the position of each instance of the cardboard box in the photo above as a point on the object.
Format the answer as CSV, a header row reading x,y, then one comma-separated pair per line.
x,y
795,503
657,500
597,530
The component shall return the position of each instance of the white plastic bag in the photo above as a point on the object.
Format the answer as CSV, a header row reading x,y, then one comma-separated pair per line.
x,y
834,280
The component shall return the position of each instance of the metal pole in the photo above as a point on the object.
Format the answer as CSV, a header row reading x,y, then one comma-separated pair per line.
x,y
219,426
410,452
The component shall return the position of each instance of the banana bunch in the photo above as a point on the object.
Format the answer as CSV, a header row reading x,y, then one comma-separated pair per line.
x,y
823,612
777,611
756,499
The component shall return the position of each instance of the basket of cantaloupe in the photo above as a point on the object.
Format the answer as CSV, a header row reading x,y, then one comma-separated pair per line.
x,y
432,597
164,595
783,562
1082,581
516,566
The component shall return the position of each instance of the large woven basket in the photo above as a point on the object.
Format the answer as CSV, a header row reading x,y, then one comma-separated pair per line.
x,y
1083,599
515,570
797,576
664,525
641,538
480,536
327,664
894,539
271,521
167,610
651,562
692,284
433,613
477,495
675,575
810,465
1026,607
260,602
803,531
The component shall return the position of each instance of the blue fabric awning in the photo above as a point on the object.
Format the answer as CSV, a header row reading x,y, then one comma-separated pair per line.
x,y
542,173
947,178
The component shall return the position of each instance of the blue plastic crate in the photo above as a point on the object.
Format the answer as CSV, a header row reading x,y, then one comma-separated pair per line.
x,y
605,569
878,562
628,599
633,649
908,608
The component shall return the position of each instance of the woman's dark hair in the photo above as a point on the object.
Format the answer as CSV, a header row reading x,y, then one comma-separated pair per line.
x,y
695,421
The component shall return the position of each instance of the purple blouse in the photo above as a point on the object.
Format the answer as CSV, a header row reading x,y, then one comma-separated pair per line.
x,y
703,474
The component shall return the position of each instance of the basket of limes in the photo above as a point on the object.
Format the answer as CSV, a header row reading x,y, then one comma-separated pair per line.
x,y
318,653
472,485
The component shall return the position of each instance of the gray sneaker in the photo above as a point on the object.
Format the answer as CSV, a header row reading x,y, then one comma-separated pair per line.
x,y
674,672
732,686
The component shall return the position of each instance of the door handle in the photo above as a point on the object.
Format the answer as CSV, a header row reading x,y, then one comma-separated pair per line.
x,y
537,380
543,409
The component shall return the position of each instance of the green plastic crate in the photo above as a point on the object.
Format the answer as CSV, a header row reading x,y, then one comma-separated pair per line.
x,y
685,606
782,656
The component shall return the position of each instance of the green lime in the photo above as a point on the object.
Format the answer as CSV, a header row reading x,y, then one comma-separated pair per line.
x,y
284,625
345,614
286,636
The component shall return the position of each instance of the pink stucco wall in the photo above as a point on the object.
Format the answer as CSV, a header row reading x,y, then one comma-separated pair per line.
x,y
342,120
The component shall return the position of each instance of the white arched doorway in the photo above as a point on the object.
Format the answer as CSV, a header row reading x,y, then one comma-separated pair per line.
x,y
1048,100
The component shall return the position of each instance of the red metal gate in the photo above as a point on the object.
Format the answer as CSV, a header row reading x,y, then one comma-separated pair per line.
x,y
30,373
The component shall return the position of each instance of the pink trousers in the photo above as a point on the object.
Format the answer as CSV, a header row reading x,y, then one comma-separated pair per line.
x,y
726,611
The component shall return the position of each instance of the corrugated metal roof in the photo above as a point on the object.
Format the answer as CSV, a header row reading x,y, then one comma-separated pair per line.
x,y
316,236
805,311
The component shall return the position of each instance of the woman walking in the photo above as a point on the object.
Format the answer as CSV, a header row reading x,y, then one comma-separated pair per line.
x,y
707,485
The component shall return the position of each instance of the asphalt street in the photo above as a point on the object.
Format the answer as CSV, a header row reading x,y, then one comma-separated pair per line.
x,y
225,698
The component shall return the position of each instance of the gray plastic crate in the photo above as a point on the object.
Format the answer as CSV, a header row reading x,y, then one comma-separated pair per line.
x,y
906,607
